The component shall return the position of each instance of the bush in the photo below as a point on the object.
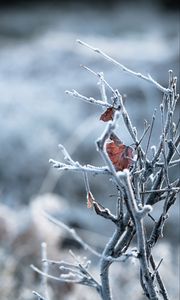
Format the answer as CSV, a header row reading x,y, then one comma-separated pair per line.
x,y
141,179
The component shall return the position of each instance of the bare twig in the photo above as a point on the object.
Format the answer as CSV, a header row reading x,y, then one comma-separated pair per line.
x,y
125,69
104,212
99,76
151,128
40,297
86,99
85,245
79,168
143,135
73,233
163,290
45,270
73,280
126,118
101,84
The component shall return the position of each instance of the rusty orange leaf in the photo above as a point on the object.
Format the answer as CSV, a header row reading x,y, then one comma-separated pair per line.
x,y
108,114
120,154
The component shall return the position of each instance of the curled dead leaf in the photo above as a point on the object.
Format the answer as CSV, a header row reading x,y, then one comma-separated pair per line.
x,y
108,114
120,154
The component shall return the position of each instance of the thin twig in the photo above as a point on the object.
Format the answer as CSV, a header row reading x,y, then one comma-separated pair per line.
x,y
54,277
79,168
102,87
40,297
143,135
125,69
102,78
171,164
88,99
159,280
126,118
73,233
45,270
150,134
176,189
85,245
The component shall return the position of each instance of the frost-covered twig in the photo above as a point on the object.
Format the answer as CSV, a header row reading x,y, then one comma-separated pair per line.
x,y
73,280
125,69
86,168
44,286
126,118
85,245
82,267
88,99
163,290
76,166
99,75
104,212
172,163
101,84
39,296
151,128
73,233
74,273
45,270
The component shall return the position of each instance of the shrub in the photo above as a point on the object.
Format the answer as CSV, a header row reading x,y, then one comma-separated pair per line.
x,y
142,180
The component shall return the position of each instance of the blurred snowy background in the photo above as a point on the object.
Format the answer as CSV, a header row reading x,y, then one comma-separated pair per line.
x,y
39,60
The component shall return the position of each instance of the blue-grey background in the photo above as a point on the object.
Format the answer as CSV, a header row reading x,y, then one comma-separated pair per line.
x,y
39,60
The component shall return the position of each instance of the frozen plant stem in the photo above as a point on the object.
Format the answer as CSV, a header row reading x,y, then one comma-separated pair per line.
x,y
104,266
45,269
138,220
